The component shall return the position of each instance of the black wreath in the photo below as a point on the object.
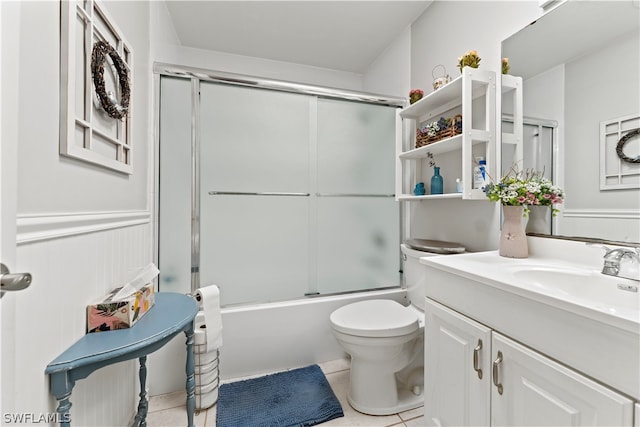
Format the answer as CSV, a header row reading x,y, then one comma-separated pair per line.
x,y
98,56
621,144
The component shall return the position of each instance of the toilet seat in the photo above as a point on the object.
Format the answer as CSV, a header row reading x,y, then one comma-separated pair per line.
x,y
375,318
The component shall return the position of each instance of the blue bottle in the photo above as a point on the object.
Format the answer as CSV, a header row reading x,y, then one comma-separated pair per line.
x,y
436,181
419,189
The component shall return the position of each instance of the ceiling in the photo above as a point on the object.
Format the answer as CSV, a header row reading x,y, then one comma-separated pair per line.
x,y
339,35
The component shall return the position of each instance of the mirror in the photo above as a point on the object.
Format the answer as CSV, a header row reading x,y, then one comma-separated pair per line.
x,y
579,65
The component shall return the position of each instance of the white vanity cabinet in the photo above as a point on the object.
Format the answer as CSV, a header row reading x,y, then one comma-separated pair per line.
x,y
539,391
457,369
471,95
518,385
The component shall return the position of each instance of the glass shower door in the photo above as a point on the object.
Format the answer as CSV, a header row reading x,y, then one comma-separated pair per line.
x,y
358,222
254,193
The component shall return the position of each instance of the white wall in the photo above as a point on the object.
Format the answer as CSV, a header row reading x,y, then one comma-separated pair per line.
x,y
591,98
390,73
48,181
445,31
82,229
257,67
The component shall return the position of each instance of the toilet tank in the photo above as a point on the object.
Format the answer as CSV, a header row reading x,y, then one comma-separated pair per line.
x,y
414,273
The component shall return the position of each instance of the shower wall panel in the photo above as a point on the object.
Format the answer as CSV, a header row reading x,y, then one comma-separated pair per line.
x,y
174,218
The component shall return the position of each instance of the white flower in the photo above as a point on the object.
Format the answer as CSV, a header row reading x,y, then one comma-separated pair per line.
x,y
532,187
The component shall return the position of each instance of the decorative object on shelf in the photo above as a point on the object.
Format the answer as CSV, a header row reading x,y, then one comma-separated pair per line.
x,y
513,240
505,66
469,59
436,131
436,180
443,78
415,95
107,99
621,144
419,189
437,183
521,190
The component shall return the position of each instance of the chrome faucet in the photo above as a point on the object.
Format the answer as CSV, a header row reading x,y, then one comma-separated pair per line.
x,y
614,264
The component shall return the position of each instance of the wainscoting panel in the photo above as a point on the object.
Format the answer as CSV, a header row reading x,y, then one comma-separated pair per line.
x,y
70,270
610,224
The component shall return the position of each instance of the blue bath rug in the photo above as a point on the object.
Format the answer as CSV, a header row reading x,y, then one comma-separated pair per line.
x,y
299,397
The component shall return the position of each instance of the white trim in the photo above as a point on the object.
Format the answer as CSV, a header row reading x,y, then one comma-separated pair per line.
x,y
34,228
601,213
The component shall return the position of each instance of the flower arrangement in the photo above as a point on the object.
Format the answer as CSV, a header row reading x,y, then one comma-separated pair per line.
x,y
432,129
505,66
469,59
436,131
528,188
415,95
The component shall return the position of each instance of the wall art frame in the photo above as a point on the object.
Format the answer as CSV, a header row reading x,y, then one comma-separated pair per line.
x,y
615,172
90,131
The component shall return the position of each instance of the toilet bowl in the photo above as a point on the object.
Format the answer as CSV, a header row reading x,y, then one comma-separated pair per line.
x,y
386,343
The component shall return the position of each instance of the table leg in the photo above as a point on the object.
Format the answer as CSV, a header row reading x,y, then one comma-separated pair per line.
x,y
61,387
143,406
191,382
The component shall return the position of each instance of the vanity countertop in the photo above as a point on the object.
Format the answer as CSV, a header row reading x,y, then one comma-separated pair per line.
x,y
564,284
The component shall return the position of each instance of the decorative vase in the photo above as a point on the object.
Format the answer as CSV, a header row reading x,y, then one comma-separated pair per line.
x,y
539,220
513,240
436,181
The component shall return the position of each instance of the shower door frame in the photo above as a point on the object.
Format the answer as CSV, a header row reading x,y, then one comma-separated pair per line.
x,y
197,75
556,153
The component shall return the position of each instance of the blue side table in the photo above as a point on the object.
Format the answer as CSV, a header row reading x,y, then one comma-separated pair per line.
x,y
172,313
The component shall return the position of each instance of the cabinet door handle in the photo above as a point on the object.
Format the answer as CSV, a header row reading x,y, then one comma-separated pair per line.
x,y
476,359
496,364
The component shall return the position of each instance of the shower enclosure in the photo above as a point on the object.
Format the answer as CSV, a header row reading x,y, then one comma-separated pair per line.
x,y
274,191
537,152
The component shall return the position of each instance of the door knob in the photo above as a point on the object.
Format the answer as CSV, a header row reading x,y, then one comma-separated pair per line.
x,y
13,282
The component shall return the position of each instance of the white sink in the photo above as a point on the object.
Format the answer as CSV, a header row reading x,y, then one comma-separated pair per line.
x,y
606,293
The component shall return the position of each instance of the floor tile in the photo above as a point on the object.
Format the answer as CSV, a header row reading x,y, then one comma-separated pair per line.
x,y
166,401
414,413
416,422
174,417
335,365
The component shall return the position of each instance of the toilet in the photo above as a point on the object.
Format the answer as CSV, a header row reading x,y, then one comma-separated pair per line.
x,y
386,339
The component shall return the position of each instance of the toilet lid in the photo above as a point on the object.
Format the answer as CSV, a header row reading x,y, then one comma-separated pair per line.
x,y
374,318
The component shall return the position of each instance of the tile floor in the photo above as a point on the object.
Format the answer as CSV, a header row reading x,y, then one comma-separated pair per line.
x,y
168,410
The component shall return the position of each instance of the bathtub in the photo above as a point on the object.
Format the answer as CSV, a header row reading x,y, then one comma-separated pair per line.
x,y
263,338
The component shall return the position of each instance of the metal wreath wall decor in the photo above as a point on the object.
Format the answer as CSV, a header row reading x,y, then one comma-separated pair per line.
x,y
621,144
108,101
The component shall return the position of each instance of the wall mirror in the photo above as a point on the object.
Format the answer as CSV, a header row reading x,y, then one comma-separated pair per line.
x,y
579,65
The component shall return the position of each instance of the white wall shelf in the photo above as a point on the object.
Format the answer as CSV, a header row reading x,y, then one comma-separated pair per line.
x,y
473,96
